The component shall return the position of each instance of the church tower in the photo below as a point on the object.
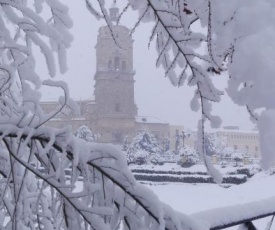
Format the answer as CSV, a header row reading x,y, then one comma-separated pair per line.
x,y
114,87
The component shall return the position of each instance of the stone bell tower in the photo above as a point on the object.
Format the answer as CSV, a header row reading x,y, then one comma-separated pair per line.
x,y
114,87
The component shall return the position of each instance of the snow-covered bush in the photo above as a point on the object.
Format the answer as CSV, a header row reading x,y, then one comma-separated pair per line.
x,y
165,145
271,171
146,141
237,157
227,152
143,149
194,179
85,133
141,157
188,156
213,144
223,164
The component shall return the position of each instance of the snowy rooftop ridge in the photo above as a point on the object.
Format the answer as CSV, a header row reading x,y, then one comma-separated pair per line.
x,y
149,119
233,131
51,100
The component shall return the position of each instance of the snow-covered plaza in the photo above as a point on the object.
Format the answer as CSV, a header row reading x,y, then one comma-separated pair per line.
x,y
194,198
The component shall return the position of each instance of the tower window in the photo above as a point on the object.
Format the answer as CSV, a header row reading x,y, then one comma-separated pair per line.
x,y
116,63
114,13
123,65
117,107
110,64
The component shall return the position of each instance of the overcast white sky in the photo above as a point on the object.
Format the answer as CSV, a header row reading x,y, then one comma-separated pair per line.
x,y
154,95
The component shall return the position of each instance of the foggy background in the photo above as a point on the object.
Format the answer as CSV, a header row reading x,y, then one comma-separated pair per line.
x,y
154,95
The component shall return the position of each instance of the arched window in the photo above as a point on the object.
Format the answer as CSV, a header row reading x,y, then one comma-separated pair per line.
x,y
117,63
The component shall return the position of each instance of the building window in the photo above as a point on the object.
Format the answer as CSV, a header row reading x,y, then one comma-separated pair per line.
x,y
110,64
117,107
124,65
177,132
116,63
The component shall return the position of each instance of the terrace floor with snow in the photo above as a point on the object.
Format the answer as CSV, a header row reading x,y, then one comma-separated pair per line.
x,y
193,198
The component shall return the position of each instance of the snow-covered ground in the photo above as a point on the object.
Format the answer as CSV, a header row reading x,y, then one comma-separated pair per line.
x,y
193,198
196,200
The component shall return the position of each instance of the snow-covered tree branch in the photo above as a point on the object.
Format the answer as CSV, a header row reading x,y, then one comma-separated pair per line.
x,y
52,180
98,191
49,178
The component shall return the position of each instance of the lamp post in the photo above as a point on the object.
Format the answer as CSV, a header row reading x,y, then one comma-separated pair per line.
x,y
183,136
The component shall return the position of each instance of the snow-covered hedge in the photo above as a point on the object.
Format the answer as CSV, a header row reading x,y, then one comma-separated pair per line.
x,y
240,179
238,176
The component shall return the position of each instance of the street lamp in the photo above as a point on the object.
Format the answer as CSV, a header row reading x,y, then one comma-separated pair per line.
x,y
184,135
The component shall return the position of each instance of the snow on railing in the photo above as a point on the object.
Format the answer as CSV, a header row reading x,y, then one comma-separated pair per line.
x,y
243,214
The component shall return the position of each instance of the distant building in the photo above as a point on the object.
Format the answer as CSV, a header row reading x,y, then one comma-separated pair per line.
x,y
246,141
113,113
232,137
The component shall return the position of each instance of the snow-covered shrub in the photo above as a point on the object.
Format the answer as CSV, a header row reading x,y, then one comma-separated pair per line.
x,y
141,157
165,145
157,159
227,179
146,141
142,149
85,133
271,171
237,157
188,156
255,169
227,152
214,144
223,164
